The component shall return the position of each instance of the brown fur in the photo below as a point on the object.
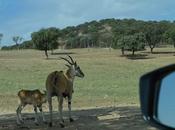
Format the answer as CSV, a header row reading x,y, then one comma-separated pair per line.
x,y
58,84
34,97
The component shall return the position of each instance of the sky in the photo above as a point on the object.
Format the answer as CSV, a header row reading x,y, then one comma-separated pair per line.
x,y
22,17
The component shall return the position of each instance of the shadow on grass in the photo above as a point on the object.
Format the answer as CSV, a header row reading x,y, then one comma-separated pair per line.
x,y
138,57
53,58
108,118
62,53
162,52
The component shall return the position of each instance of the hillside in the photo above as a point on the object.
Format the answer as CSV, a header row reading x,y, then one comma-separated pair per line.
x,y
106,33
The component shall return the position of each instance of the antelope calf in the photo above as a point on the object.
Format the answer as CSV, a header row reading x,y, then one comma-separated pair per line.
x,y
31,97
60,84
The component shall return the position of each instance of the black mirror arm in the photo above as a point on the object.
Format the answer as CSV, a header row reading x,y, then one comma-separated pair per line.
x,y
149,88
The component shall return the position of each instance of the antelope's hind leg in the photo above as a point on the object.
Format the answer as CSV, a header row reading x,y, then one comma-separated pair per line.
x,y
41,111
50,110
60,107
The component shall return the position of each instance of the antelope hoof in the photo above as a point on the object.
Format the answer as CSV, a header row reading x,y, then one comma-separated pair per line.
x,y
22,121
18,123
36,123
45,122
61,125
50,124
71,120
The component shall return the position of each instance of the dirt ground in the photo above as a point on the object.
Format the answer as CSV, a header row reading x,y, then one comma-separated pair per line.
x,y
110,118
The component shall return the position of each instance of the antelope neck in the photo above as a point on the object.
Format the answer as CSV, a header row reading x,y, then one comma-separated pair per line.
x,y
69,75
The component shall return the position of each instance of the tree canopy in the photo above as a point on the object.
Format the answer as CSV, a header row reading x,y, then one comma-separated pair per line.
x,y
46,39
105,33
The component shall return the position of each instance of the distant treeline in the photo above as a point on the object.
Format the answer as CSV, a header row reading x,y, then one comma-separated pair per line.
x,y
125,34
25,45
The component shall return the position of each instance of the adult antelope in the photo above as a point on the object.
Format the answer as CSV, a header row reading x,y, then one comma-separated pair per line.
x,y
60,84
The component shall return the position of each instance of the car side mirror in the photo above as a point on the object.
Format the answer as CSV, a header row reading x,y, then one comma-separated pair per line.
x,y
157,97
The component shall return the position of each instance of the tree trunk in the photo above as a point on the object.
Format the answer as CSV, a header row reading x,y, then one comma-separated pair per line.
x,y
88,47
123,51
152,49
133,52
99,44
17,46
110,48
45,50
71,45
46,53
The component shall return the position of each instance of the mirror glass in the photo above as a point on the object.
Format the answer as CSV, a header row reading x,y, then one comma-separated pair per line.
x,y
166,101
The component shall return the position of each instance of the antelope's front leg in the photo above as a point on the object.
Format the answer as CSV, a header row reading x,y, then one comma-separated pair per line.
x,y
18,112
69,107
36,115
60,99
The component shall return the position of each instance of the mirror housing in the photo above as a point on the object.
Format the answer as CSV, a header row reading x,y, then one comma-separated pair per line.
x,y
149,88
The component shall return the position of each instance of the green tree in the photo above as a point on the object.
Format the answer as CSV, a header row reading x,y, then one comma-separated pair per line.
x,y
153,36
137,42
132,43
46,39
170,36
110,32
121,43
27,45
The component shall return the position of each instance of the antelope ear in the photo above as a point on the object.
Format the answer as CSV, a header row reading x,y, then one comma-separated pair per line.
x,y
67,65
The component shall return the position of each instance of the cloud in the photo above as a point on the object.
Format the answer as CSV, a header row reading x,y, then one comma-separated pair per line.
x,y
22,17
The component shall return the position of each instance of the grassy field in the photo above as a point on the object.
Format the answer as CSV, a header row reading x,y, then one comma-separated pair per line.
x,y
110,79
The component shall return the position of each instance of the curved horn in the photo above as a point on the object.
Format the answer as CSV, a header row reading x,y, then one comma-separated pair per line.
x,y
66,60
71,59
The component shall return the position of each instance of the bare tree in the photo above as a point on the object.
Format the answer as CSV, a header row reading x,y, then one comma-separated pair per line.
x,y
17,40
